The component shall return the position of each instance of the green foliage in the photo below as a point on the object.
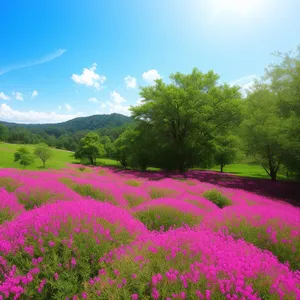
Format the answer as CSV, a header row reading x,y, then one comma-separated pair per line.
x,y
217,198
134,200
24,157
3,133
156,193
5,215
263,130
133,182
43,152
165,217
226,147
284,78
87,190
36,198
9,184
180,119
90,148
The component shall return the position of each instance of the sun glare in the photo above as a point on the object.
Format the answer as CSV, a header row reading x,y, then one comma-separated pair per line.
x,y
243,7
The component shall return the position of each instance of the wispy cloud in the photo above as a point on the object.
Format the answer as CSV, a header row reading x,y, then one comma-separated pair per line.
x,y
18,96
34,94
4,97
11,115
39,61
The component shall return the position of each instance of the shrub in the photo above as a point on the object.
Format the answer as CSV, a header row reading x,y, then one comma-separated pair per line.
x,y
133,182
164,217
217,197
36,197
9,184
156,192
133,199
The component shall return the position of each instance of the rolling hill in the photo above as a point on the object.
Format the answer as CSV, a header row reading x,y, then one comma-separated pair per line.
x,y
81,123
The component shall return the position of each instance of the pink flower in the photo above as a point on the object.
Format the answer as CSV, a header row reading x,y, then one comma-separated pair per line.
x,y
134,297
73,262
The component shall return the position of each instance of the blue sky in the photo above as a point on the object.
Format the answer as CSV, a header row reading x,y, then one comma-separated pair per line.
x,y
62,59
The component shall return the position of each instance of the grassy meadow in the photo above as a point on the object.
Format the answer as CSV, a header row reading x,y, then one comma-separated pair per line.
x,y
62,157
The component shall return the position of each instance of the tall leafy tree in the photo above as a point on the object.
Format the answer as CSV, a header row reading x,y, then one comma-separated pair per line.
x,y
264,131
226,148
284,78
183,116
43,152
90,148
24,157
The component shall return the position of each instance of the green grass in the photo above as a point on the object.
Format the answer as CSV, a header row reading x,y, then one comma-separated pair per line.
x,y
217,198
62,157
164,217
58,161
245,170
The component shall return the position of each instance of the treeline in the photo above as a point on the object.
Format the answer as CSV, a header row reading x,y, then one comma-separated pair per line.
x,y
55,137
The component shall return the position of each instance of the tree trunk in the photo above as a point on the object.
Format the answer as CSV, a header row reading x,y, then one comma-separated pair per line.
x,y
92,160
44,164
222,167
273,174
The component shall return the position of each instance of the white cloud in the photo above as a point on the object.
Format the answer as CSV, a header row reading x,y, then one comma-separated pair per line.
x,y
151,75
246,83
4,97
118,108
89,77
39,61
116,98
140,101
59,107
115,105
18,96
130,82
10,115
34,93
93,99
68,107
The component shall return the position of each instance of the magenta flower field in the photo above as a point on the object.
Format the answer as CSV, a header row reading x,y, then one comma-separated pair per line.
x,y
92,233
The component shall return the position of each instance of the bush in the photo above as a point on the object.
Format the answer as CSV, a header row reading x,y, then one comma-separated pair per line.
x,y
9,184
217,198
156,193
134,200
164,217
133,182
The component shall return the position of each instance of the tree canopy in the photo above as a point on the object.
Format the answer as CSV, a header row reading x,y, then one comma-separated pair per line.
x,y
90,148
182,117
24,157
43,152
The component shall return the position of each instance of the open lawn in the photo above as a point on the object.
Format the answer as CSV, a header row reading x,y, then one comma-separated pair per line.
x,y
245,170
58,161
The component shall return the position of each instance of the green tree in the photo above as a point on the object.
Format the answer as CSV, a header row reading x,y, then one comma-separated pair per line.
x,y
3,133
108,145
183,116
284,78
24,157
226,147
264,131
43,152
90,148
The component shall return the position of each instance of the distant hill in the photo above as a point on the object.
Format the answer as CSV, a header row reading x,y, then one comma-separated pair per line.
x,y
82,123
